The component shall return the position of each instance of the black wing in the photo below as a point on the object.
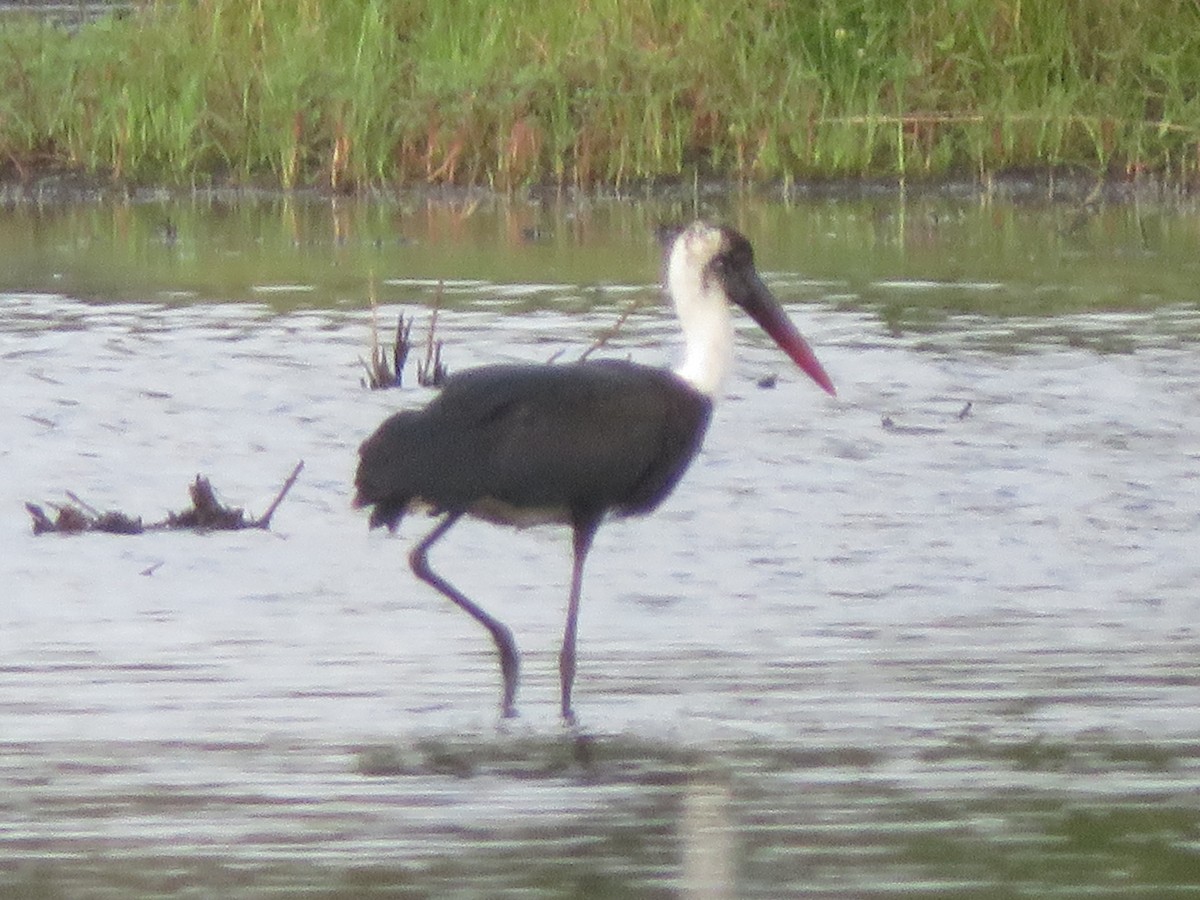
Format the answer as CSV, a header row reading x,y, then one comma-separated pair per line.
x,y
583,438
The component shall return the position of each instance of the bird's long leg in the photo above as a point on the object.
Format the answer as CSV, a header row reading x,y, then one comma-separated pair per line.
x,y
584,530
500,633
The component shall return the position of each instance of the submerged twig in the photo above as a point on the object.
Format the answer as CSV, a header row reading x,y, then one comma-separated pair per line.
x,y
613,330
264,521
380,372
432,372
401,346
206,514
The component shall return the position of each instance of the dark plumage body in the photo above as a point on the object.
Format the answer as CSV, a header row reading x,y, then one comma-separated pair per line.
x,y
527,444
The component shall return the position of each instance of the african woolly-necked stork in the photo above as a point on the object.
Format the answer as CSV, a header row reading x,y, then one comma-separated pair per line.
x,y
528,444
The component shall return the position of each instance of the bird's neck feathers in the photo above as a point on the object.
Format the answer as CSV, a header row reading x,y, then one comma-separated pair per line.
x,y
706,320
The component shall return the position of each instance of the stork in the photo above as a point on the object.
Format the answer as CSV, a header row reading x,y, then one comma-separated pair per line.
x,y
570,444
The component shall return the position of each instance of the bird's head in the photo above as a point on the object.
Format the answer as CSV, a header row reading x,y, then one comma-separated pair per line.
x,y
710,262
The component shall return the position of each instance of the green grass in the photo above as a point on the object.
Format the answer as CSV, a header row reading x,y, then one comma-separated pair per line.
x,y
394,92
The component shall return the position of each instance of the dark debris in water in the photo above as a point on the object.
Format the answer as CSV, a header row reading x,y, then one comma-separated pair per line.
x,y
382,372
890,424
388,373
76,517
206,513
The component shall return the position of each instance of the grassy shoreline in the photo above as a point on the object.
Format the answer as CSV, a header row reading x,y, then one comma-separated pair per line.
x,y
395,93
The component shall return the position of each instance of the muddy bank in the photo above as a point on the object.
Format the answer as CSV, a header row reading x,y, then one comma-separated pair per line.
x,y
1070,186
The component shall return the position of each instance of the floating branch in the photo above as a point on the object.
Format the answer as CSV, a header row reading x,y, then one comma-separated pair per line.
x,y
264,521
73,519
206,514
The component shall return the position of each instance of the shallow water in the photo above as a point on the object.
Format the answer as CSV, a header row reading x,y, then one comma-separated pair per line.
x,y
885,644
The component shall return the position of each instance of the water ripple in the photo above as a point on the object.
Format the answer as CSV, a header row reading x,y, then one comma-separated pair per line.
x,y
843,658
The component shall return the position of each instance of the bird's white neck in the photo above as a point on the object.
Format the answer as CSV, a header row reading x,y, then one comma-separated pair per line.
x,y
706,320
